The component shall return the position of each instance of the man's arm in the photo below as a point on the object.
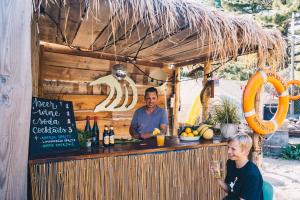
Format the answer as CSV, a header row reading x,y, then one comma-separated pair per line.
x,y
133,126
164,123
132,132
137,135
163,128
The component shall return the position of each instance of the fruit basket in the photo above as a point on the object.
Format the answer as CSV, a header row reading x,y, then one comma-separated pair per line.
x,y
195,138
194,133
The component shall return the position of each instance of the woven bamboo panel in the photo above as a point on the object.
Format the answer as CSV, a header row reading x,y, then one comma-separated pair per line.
x,y
170,175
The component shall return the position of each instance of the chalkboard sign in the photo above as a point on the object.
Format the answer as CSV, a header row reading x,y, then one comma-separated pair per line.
x,y
52,126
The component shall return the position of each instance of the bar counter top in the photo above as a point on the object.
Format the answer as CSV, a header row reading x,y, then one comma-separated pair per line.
x,y
145,146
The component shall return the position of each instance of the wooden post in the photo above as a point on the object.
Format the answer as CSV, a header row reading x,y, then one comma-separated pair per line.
x,y
35,56
176,100
15,97
206,96
256,154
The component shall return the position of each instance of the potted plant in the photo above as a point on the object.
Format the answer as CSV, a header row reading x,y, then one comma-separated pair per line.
x,y
225,113
84,138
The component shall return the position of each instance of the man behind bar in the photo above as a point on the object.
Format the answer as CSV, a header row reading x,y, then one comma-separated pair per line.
x,y
148,117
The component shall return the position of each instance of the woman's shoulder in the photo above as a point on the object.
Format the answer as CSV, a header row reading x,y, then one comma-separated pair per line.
x,y
252,169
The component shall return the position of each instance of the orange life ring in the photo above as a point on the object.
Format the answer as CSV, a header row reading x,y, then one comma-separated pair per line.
x,y
254,84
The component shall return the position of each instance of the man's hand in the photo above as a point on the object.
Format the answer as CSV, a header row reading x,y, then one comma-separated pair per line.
x,y
136,136
146,135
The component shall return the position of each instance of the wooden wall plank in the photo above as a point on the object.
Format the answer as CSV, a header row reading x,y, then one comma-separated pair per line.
x,y
67,74
56,48
70,87
49,72
15,96
82,62
81,115
89,102
72,61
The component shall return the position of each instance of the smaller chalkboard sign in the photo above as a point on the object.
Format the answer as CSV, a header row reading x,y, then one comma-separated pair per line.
x,y
52,127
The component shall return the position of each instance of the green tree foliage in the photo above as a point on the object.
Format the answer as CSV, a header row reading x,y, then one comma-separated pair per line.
x,y
270,13
247,6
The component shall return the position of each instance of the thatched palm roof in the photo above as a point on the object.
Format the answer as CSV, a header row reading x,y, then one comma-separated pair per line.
x,y
163,31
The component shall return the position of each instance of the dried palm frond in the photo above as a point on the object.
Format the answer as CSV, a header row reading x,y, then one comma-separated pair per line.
x,y
223,34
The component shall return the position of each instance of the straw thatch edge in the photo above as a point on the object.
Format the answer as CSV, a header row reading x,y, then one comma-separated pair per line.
x,y
224,34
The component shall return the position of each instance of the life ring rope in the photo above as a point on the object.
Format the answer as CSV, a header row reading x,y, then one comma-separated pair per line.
x,y
254,84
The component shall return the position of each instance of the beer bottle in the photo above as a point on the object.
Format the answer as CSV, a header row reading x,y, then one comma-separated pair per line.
x,y
111,136
95,131
105,137
87,128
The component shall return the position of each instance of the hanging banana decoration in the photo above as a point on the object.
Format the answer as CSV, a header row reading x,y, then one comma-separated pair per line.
x,y
254,84
115,86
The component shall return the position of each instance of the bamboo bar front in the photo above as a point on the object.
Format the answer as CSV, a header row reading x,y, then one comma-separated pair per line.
x,y
162,174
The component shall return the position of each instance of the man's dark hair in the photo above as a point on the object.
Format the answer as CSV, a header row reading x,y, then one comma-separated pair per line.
x,y
151,89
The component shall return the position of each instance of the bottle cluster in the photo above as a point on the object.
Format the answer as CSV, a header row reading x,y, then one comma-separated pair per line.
x,y
92,133
108,138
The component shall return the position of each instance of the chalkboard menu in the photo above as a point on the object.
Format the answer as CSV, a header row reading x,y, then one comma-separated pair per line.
x,y
52,127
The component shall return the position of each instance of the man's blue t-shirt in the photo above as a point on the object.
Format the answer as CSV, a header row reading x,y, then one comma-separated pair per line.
x,y
245,182
146,123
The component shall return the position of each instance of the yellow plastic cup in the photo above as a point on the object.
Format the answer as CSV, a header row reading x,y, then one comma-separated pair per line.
x,y
160,139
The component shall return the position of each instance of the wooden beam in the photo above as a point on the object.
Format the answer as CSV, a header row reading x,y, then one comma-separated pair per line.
x,y
56,48
70,19
35,56
15,96
256,153
92,28
48,21
176,101
206,97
